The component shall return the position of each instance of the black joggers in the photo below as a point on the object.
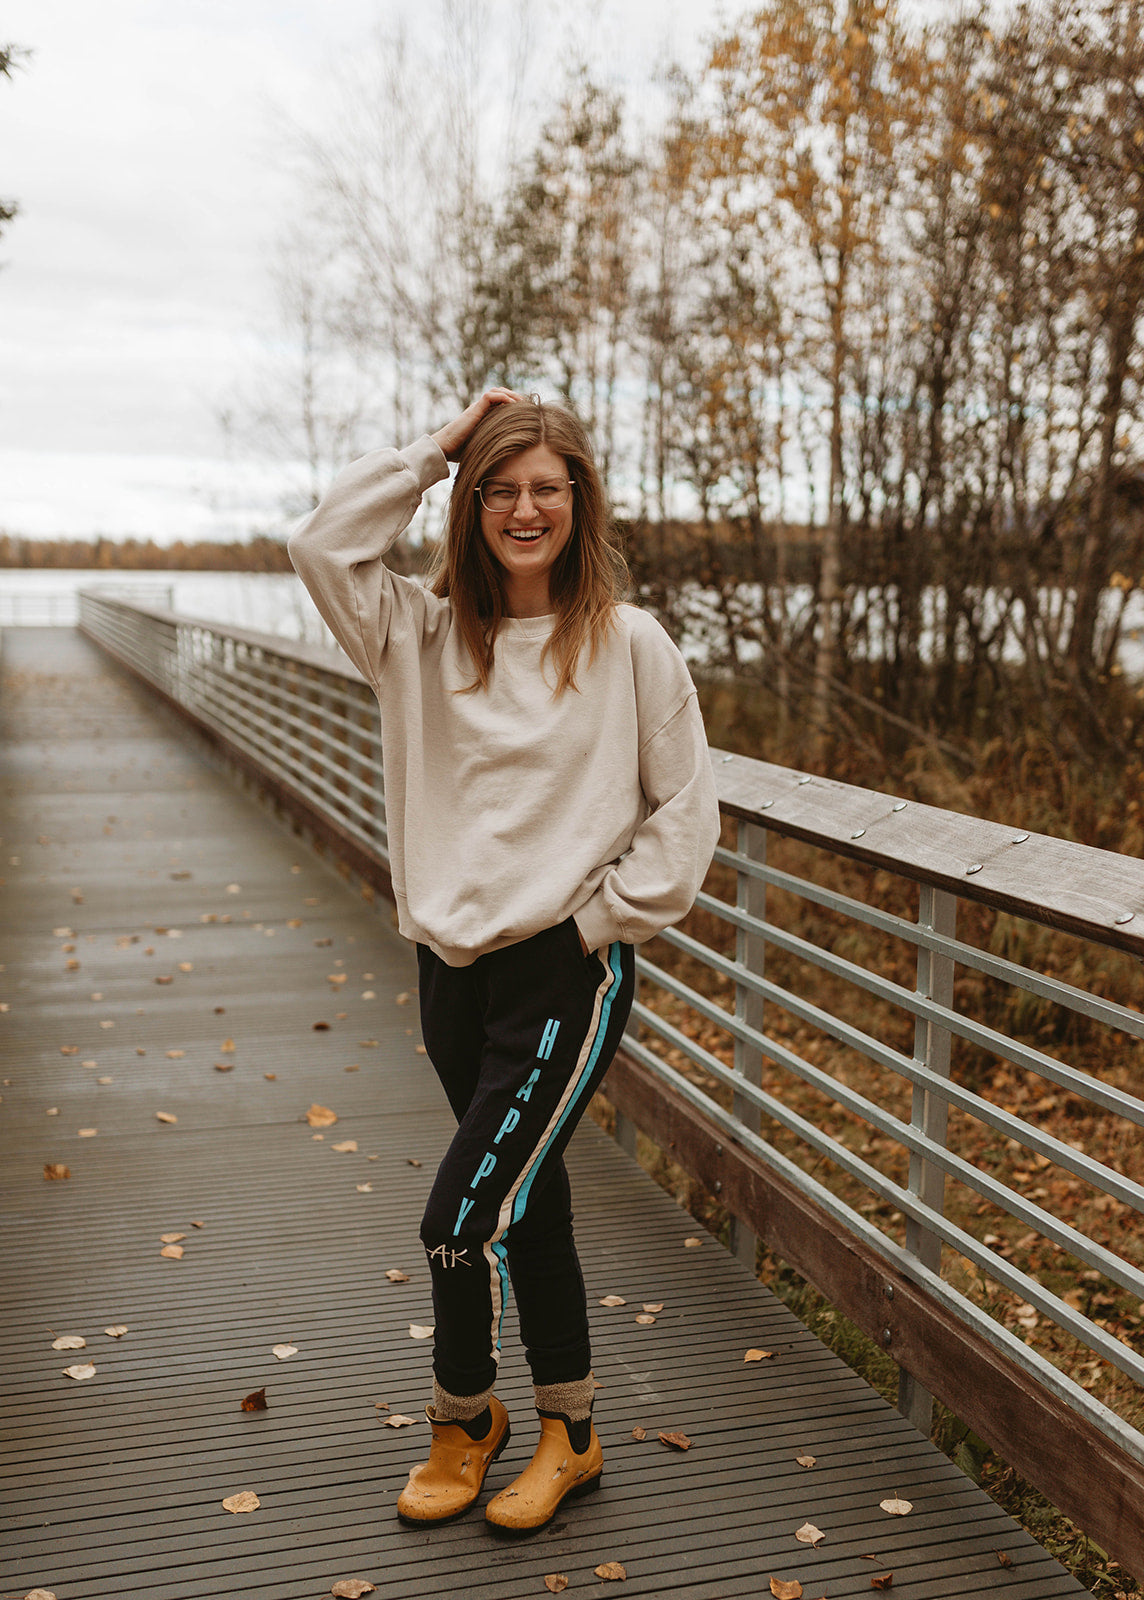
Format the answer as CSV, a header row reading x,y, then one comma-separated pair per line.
x,y
520,1040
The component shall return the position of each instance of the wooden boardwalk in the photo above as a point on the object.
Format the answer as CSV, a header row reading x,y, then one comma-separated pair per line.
x,y
204,935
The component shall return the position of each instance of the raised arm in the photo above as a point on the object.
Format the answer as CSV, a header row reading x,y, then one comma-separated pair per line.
x,y
339,552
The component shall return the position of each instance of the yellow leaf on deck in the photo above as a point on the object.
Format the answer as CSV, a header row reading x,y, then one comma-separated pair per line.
x,y
809,1534
246,1500
56,1170
69,1341
352,1588
321,1116
165,1116
610,1569
173,1252
80,1372
786,1589
613,1300
116,1330
284,1351
418,1331
555,1582
896,1507
759,1355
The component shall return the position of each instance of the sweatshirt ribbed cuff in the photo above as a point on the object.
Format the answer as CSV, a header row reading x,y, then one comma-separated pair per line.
x,y
426,460
598,927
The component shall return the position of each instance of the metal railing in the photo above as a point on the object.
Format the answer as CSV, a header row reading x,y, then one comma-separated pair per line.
x,y
59,608
768,1002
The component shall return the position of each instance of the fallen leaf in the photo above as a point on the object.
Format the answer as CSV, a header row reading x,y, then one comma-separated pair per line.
x,y
69,1341
613,1300
116,1330
886,1581
89,1063
337,977
381,1405
284,1351
255,1401
654,1307
173,1252
165,1116
809,1534
321,1027
644,1320
171,1238
164,977
639,1435
418,1331
395,1275
368,994
234,888
692,1244
294,922
354,1068
346,1147
86,1133
807,1461
402,999
321,1116
555,1582
271,1077
396,1420
412,1161
1004,1558
186,966
226,1066
247,1500
896,1507
175,1055
364,1188
39,1594
610,1569
52,1111
80,1372
759,1355
352,1588
105,1080
198,1224
786,1589
56,1170
675,1441
226,1048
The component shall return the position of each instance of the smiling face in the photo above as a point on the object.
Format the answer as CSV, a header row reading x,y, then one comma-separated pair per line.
x,y
526,542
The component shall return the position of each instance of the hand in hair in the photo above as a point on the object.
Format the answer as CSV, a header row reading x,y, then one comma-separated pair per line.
x,y
455,435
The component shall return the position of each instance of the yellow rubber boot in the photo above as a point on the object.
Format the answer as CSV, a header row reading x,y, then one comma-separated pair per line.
x,y
447,1484
556,1472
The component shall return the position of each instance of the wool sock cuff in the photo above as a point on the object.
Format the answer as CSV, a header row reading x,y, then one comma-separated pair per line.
x,y
571,1400
458,1407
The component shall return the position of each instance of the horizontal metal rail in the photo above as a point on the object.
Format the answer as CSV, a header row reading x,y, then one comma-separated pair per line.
x,y
727,1050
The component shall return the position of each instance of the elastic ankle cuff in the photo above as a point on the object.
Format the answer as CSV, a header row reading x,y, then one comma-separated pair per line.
x,y
571,1400
458,1407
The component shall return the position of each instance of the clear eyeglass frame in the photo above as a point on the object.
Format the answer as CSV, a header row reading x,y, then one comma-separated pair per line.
x,y
500,495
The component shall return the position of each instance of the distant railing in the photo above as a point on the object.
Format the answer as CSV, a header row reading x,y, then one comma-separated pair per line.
x,y
710,1070
59,608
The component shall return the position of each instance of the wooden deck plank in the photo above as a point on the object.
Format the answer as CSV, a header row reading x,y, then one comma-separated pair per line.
x,y
114,1486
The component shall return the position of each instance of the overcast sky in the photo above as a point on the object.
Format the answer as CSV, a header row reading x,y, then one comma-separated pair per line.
x,y
143,142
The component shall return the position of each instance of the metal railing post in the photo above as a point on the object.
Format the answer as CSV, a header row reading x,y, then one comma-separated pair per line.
x,y
750,952
929,1114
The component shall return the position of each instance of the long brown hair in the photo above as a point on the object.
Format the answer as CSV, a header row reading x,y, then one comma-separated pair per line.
x,y
588,577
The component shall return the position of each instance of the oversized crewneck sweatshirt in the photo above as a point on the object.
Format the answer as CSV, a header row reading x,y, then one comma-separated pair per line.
x,y
510,809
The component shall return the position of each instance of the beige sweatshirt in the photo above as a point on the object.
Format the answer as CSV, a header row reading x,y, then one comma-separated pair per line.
x,y
511,809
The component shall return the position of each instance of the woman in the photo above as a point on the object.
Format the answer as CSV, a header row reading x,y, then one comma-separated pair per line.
x,y
549,803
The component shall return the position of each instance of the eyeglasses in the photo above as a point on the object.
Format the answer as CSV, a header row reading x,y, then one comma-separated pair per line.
x,y
502,494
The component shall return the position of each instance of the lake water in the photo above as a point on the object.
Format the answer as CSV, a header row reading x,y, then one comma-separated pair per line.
x,y
277,603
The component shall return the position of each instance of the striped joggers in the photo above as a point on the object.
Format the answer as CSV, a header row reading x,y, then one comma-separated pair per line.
x,y
520,1041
